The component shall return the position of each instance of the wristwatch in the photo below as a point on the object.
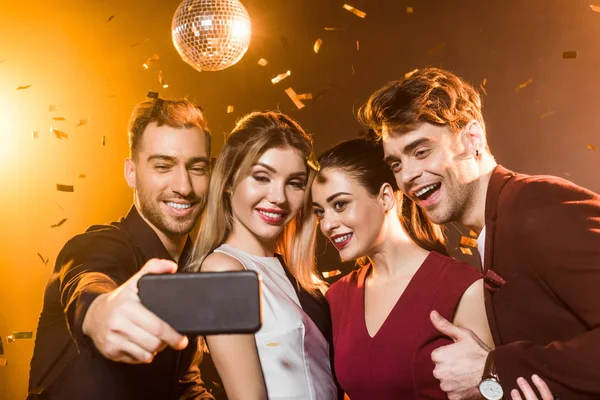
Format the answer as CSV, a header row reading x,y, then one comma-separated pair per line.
x,y
489,387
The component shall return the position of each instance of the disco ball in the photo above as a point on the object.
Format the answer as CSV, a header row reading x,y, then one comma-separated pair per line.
x,y
211,35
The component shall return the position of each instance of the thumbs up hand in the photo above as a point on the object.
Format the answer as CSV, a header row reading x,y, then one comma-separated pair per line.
x,y
458,366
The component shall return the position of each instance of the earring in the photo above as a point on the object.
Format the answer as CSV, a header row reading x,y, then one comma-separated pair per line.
x,y
476,153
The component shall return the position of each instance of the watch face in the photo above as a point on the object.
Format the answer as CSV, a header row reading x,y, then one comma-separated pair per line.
x,y
491,389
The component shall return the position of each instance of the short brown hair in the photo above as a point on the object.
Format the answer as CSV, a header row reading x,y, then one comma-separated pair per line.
x,y
430,95
176,113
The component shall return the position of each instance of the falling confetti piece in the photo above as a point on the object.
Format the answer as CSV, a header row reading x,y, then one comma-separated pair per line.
x,y
595,8
161,80
472,233
591,147
313,162
438,47
273,344
569,54
150,61
357,46
409,74
281,77
42,258
23,87
19,336
110,18
103,140
34,135
567,174
58,134
355,11
524,84
52,108
3,362
65,188
329,28
409,10
482,86
262,62
467,241
82,176
549,113
142,42
59,206
229,109
294,97
352,66
329,274
317,45
305,96
81,122
62,221
58,118
466,250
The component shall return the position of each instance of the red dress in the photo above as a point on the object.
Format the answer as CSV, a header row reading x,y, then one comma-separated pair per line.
x,y
396,362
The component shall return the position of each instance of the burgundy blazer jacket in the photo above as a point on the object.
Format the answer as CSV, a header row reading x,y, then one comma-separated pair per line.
x,y
542,265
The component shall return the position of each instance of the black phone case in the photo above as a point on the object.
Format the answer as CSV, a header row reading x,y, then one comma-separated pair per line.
x,y
204,303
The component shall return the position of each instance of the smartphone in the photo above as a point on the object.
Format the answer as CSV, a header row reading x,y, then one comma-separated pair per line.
x,y
204,303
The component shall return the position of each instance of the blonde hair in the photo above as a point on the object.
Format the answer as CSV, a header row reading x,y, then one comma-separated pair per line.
x,y
254,134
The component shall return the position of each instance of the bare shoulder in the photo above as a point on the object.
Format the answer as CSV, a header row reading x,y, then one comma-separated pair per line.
x,y
219,262
474,293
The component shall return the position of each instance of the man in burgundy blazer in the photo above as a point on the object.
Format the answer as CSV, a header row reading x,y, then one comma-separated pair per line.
x,y
539,237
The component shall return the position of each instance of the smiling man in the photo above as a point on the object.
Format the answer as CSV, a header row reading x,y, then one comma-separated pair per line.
x,y
539,240
95,340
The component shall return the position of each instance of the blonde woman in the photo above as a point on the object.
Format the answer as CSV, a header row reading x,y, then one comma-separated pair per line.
x,y
252,221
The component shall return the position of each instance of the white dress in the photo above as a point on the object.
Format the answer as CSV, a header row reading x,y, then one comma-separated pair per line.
x,y
293,352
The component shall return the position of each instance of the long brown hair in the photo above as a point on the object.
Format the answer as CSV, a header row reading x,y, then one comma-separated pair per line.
x,y
254,134
362,159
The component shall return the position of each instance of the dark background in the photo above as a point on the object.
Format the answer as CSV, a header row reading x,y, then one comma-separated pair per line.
x,y
89,67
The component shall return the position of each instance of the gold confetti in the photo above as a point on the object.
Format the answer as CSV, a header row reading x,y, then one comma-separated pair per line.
x,y
149,62
472,233
262,62
312,162
58,134
567,174
273,344
409,74
305,96
329,274
438,47
466,250
142,42
42,258
409,10
23,87
591,147
103,140
3,361
467,241
81,122
62,221
329,28
355,11
52,108
357,46
595,8
294,97
482,86
569,54
82,176
34,135
110,18
317,45
281,77
524,84
549,113
19,336
58,118
352,66
229,109
161,80
59,206
65,188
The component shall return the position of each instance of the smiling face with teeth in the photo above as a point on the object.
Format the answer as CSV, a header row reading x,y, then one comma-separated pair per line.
x,y
437,168
349,216
265,201
170,177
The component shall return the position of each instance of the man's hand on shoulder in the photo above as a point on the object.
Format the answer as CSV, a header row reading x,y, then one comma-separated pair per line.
x,y
123,330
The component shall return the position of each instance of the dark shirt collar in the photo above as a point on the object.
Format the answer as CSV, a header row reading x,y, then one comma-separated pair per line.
x,y
148,241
